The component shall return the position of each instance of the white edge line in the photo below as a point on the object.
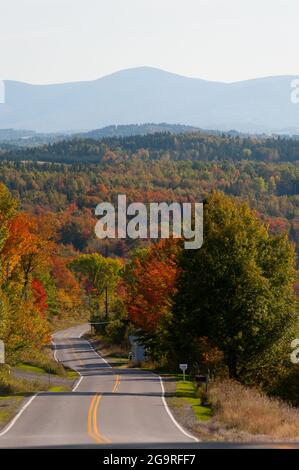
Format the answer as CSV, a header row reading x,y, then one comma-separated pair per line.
x,y
171,415
162,396
81,376
78,382
55,351
93,349
81,334
15,419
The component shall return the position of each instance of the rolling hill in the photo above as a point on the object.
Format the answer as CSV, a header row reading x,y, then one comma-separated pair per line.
x,y
144,95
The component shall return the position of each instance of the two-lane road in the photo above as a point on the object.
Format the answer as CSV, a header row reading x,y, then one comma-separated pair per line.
x,y
108,406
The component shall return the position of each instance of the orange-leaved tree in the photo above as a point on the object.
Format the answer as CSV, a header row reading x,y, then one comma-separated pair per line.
x,y
149,284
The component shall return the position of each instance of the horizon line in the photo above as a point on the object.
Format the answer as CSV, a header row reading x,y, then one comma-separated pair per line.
x,y
149,67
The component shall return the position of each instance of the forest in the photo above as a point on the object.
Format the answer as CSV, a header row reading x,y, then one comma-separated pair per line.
x,y
194,146
237,317
72,191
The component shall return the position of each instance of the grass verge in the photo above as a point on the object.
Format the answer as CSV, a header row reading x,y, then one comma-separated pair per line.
x,y
41,362
186,391
72,374
237,412
13,390
59,388
31,368
8,408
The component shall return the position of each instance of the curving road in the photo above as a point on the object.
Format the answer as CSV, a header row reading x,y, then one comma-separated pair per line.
x,y
107,407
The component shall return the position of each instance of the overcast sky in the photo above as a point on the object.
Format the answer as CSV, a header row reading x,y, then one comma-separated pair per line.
x,y
46,41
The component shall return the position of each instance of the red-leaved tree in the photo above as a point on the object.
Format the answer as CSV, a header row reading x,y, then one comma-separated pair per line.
x,y
150,285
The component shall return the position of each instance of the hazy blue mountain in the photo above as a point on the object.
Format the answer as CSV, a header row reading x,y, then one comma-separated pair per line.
x,y
14,134
28,138
21,137
145,95
135,129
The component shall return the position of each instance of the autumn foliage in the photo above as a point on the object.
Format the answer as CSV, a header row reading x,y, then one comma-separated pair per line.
x,y
40,296
35,283
151,278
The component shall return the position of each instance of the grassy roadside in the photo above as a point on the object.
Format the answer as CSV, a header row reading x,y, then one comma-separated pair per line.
x,y
40,362
31,368
9,406
60,371
38,372
58,389
236,413
250,410
186,392
14,391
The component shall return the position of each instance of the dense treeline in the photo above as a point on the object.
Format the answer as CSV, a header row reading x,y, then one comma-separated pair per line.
x,y
126,130
45,284
26,138
190,146
74,190
226,309
229,308
36,286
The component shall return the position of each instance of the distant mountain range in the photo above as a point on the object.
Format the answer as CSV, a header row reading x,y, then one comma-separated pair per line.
x,y
144,95
25,138
136,129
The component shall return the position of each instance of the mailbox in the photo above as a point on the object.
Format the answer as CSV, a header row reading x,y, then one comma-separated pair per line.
x,y
201,379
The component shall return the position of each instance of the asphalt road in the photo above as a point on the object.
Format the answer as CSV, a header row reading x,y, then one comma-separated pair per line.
x,y
107,407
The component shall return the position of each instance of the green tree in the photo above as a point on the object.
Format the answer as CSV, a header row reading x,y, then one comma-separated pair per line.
x,y
8,206
100,276
237,290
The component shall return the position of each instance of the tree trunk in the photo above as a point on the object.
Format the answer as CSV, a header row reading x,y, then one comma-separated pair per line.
x,y
106,303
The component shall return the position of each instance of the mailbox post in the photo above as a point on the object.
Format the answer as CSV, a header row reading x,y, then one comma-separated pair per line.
x,y
202,379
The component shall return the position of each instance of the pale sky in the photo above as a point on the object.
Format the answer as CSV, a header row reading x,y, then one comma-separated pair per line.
x,y
49,41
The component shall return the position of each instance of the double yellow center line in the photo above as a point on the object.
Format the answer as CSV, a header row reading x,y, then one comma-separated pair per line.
x,y
92,424
92,421
116,384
